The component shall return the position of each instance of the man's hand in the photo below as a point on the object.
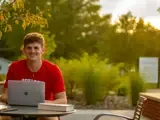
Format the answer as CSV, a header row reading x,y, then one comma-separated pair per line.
x,y
4,98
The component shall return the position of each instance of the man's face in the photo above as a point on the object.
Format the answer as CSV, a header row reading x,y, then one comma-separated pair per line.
x,y
33,51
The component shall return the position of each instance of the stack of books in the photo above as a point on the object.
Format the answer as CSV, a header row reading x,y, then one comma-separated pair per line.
x,y
56,107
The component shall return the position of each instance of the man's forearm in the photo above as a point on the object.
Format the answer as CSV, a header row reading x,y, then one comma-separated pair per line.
x,y
58,101
4,95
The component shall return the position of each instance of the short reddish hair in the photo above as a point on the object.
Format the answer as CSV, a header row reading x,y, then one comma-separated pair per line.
x,y
33,37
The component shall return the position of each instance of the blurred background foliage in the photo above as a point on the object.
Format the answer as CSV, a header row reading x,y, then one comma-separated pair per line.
x,y
95,55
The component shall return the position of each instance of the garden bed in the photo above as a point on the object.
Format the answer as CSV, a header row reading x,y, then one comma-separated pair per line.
x,y
111,102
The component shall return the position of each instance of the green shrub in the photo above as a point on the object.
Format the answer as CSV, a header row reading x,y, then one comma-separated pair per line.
x,y
91,80
71,73
110,78
122,90
2,77
151,85
94,77
91,86
124,87
137,85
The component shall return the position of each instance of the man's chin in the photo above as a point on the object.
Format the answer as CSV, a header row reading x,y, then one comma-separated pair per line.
x,y
32,59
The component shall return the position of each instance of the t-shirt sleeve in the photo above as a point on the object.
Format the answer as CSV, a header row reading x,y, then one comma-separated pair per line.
x,y
9,76
58,84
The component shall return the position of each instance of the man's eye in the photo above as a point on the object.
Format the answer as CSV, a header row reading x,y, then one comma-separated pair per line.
x,y
28,47
35,48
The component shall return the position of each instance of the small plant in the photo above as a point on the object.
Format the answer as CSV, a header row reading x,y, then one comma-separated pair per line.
x,y
122,90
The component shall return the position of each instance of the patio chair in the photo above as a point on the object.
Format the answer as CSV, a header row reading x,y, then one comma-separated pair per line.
x,y
137,113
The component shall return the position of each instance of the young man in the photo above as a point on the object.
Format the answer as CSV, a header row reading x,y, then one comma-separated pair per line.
x,y
36,69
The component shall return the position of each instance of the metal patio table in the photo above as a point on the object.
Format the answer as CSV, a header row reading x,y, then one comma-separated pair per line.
x,y
27,112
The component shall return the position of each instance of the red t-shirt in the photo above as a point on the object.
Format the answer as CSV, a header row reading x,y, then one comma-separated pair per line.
x,y
48,73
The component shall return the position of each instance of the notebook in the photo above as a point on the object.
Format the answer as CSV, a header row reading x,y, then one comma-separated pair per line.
x,y
56,107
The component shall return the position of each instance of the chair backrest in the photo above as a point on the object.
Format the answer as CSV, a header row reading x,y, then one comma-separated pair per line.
x,y
139,108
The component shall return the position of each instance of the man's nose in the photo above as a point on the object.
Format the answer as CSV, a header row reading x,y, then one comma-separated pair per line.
x,y
32,50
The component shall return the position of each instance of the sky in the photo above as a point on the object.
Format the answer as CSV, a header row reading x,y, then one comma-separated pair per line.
x,y
146,9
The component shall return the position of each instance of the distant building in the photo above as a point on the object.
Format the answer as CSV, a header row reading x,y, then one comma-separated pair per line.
x,y
4,64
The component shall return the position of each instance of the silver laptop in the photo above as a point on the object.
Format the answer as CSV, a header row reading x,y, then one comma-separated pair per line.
x,y
28,93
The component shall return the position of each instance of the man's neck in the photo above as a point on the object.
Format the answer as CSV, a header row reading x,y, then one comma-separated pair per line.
x,y
34,66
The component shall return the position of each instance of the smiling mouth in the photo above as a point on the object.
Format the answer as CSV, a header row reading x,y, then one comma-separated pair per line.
x,y
32,55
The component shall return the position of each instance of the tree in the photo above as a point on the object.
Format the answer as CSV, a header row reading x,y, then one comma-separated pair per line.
x,y
15,13
116,42
75,24
128,39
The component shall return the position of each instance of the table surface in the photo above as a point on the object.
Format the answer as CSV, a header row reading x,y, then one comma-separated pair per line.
x,y
33,111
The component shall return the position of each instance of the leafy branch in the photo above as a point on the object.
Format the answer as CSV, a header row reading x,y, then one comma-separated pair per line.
x,y
16,13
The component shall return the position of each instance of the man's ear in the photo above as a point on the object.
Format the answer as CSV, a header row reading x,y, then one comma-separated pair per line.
x,y
22,49
43,50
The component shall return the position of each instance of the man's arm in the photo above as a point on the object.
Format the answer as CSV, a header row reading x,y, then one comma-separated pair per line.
x,y
10,76
58,88
60,98
4,96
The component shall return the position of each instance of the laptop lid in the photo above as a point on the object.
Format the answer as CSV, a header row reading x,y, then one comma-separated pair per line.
x,y
28,93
